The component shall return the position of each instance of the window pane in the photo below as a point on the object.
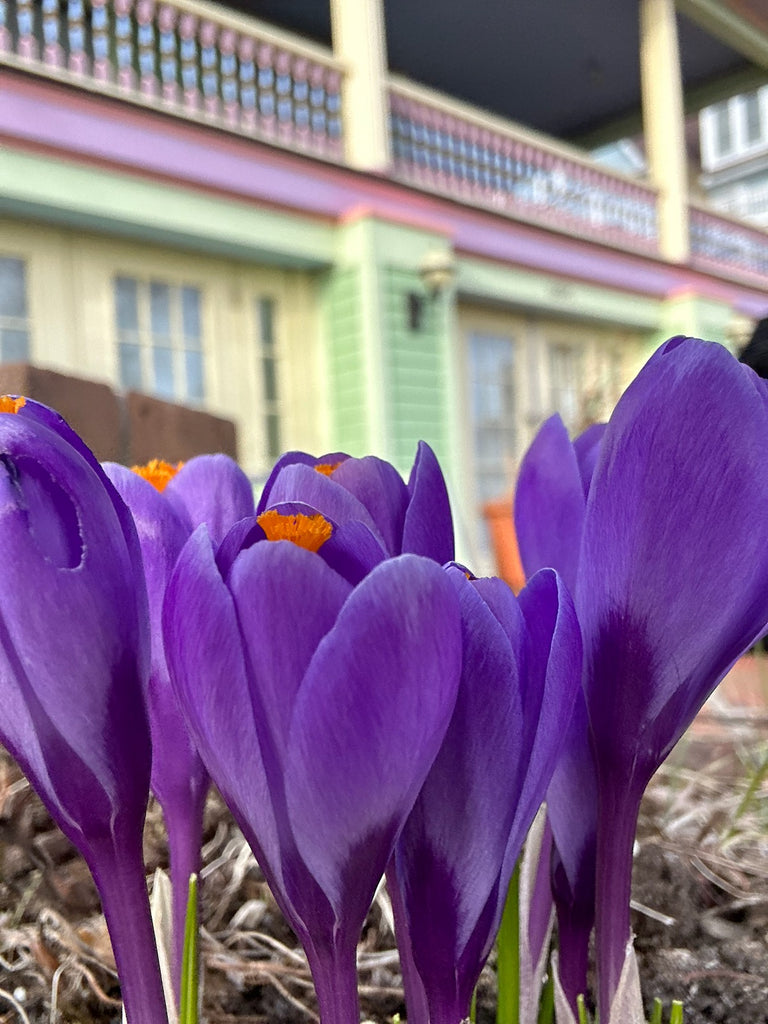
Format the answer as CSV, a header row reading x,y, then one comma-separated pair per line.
x,y
722,128
160,309
273,435
492,369
267,322
130,365
565,378
190,316
15,346
13,292
162,369
270,379
194,367
127,304
752,116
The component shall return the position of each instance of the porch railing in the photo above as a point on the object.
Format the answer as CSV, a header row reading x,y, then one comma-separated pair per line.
x,y
726,246
449,147
188,57
201,62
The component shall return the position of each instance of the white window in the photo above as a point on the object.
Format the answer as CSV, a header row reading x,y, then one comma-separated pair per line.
x,y
565,384
14,316
159,338
752,118
723,135
494,413
268,357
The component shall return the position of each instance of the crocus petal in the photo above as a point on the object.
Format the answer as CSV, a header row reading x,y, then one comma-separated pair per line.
x,y
554,672
428,528
450,853
74,659
369,719
299,482
179,780
205,659
670,594
379,487
162,534
294,459
224,707
554,675
53,421
213,490
61,536
587,448
572,802
282,620
352,551
549,503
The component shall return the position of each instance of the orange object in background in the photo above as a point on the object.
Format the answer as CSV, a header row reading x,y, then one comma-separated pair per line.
x,y
501,527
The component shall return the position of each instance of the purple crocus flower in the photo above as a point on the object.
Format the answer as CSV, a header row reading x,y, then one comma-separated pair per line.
x,y
74,660
669,593
318,708
520,672
167,503
399,518
550,503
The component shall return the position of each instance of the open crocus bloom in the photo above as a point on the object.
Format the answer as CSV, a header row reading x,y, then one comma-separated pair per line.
x,y
521,669
167,503
318,708
74,659
400,518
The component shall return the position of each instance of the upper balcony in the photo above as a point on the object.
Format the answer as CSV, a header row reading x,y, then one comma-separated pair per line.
x,y
210,64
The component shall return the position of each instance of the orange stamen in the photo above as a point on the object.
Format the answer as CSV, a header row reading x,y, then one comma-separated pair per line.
x,y
158,473
326,468
309,532
10,404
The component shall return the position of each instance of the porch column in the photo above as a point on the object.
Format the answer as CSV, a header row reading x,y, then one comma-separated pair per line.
x,y
663,124
359,41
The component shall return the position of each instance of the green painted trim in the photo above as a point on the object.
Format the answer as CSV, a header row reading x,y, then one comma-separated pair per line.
x,y
96,199
345,342
697,317
488,283
417,395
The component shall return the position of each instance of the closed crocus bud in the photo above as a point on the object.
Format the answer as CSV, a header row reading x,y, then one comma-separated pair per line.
x,y
550,505
669,592
167,502
318,707
74,661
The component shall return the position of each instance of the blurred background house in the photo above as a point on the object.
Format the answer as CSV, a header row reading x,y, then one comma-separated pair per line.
x,y
734,155
351,224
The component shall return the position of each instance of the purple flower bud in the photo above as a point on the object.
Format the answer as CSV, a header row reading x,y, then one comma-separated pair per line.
x,y
74,660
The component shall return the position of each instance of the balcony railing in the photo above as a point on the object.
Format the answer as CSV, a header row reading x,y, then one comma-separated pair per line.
x,y
728,247
198,61
189,58
449,147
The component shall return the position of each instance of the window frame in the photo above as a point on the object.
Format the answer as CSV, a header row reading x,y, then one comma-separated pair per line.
x,y
145,338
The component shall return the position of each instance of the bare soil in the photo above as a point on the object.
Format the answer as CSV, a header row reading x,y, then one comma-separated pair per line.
x,y
700,886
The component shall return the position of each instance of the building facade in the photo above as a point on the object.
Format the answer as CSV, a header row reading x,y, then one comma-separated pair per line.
x,y
734,155
214,211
